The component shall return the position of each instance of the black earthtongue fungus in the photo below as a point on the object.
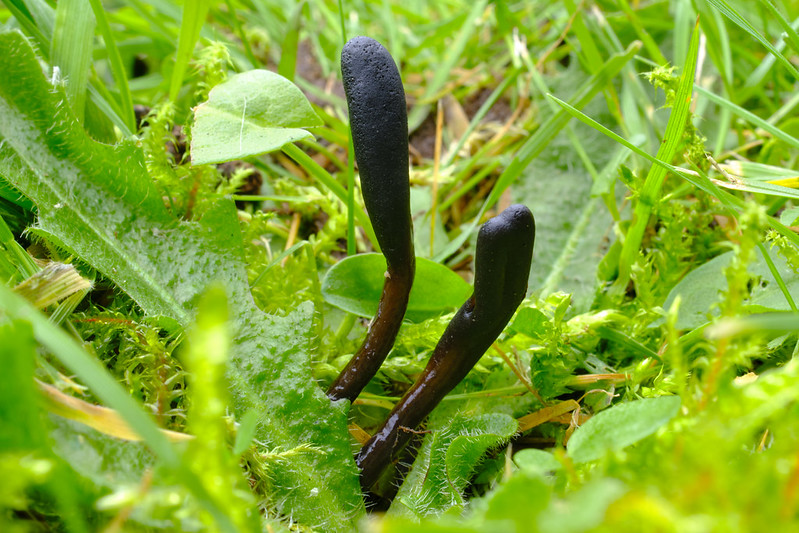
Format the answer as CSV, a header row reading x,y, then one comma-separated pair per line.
x,y
502,266
379,124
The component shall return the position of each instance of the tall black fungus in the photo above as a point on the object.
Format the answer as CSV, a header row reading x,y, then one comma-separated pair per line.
x,y
379,124
502,266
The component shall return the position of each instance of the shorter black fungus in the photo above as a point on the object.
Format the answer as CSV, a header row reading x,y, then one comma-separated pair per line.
x,y
502,267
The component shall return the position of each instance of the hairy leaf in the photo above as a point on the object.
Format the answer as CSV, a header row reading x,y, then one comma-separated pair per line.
x,y
445,462
701,288
98,202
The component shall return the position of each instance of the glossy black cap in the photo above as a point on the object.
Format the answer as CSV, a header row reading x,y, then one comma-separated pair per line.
x,y
379,125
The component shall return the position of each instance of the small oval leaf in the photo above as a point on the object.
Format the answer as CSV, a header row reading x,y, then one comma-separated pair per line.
x,y
620,426
354,284
536,462
248,114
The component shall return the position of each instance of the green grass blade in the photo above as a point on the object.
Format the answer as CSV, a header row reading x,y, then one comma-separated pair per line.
x,y
453,53
701,182
290,44
777,276
30,22
92,373
654,179
15,253
728,11
592,59
193,19
234,19
107,108
71,49
323,176
712,24
351,248
43,14
115,63
510,78
749,116
541,138
790,33
649,43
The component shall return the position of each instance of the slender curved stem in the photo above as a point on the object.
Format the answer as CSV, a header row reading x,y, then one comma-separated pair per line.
x,y
382,333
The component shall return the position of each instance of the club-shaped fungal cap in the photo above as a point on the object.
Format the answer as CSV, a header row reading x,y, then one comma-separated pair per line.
x,y
502,263
379,125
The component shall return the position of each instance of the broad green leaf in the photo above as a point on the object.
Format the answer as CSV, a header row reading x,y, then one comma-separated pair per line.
x,y
446,460
531,322
98,202
620,426
248,114
520,499
573,230
536,462
355,284
701,288
582,510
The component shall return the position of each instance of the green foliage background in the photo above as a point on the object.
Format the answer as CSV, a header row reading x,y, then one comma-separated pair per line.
x,y
168,325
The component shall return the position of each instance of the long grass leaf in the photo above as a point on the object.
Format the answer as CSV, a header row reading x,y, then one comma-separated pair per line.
x,y
540,139
30,21
654,179
451,56
510,77
790,32
728,11
701,182
642,33
116,65
749,116
97,378
323,176
71,49
15,253
289,46
193,19
245,42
